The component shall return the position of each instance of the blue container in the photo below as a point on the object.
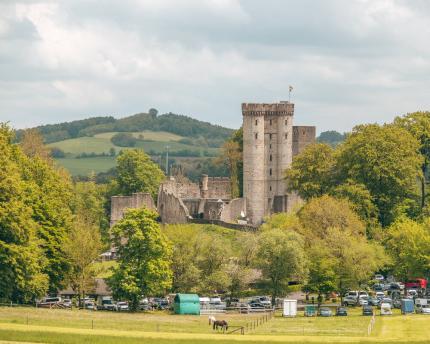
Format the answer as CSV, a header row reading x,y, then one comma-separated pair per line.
x,y
407,306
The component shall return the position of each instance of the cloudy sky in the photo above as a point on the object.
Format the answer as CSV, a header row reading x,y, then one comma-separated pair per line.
x,y
350,61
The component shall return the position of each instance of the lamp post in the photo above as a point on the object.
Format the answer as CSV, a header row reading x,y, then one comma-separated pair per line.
x,y
167,160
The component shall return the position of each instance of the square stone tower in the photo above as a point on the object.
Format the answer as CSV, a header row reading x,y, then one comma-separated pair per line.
x,y
267,153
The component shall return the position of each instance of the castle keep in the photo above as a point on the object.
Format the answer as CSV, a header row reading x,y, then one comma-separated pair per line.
x,y
269,143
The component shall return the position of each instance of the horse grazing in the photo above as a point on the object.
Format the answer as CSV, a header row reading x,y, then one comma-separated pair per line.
x,y
211,319
220,323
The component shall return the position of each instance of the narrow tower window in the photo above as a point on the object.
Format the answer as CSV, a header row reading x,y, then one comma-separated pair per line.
x,y
270,187
256,121
270,157
256,135
270,136
270,171
286,122
286,135
270,122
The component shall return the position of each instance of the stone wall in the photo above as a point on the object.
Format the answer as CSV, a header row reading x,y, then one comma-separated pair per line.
x,y
302,136
219,187
233,210
119,205
170,207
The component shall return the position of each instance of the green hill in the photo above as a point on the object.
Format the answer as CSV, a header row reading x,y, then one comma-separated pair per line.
x,y
85,146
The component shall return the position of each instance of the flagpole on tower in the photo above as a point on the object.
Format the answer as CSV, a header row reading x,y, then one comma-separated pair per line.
x,y
290,89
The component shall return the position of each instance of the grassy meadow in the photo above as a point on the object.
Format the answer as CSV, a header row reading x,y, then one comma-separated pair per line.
x,y
78,326
83,167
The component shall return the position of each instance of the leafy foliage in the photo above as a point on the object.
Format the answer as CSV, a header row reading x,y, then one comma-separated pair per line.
x,y
124,140
144,257
137,173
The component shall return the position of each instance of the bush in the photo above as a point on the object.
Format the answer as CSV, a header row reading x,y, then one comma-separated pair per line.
x,y
124,140
57,153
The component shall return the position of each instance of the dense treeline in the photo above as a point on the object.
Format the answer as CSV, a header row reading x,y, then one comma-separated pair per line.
x,y
66,130
212,135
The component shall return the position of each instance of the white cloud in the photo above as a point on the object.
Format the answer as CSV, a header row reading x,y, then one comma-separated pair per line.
x,y
351,61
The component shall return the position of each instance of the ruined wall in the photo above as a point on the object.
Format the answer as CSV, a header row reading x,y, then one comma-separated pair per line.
x,y
218,187
170,206
119,205
302,136
192,205
233,210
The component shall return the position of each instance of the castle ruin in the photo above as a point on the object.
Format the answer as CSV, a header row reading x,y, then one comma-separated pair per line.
x,y
270,141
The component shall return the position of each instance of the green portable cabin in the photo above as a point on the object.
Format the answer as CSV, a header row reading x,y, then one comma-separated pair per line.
x,y
187,304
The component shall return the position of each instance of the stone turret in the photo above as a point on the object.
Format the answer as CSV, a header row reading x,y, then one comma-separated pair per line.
x,y
267,153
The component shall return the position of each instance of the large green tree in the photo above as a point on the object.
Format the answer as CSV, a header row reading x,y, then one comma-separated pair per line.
x,y
144,257
21,260
281,258
137,173
418,124
408,243
82,248
311,173
386,160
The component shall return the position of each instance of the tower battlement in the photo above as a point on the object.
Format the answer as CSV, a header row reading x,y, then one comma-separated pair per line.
x,y
264,109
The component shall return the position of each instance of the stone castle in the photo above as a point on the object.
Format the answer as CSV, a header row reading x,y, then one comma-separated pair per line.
x,y
270,141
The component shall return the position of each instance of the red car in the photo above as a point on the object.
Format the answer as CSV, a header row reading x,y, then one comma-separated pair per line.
x,y
416,283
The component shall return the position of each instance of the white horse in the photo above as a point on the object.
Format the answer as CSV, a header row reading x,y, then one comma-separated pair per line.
x,y
211,319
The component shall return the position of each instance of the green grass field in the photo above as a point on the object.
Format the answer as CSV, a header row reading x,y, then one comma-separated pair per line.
x,y
147,134
83,167
73,326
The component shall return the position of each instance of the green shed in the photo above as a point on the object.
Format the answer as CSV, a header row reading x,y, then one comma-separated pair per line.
x,y
187,304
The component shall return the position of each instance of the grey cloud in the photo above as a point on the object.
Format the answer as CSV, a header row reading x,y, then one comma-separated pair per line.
x,y
350,61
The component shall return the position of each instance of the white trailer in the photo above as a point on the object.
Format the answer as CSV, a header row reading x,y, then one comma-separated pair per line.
x,y
386,308
290,308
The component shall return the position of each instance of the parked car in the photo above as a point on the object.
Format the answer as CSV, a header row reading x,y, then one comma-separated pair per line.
x,y
48,302
373,301
378,277
256,304
352,293
380,294
107,304
424,309
67,303
325,312
363,300
341,311
385,300
122,306
397,303
378,287
160,303
264,300
412,292
417,283
349,300
367,310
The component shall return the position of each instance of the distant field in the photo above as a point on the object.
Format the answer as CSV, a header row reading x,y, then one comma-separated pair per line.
x,y
66,326
153,141
83,167
147,135
84,144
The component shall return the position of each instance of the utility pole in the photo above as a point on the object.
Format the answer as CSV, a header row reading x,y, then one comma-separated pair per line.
x,y
290,89
167,161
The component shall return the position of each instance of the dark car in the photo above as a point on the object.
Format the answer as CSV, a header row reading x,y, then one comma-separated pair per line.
x,y
341,311
256,304
367,310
